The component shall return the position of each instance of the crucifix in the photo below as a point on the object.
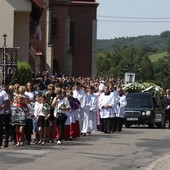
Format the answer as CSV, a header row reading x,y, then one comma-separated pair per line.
x,y
130,77
4,39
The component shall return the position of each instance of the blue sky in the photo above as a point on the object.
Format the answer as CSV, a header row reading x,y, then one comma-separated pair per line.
x,y
109,12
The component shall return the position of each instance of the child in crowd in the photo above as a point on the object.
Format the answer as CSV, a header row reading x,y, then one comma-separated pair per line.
x,y
42,114
50,94
21,111
35,119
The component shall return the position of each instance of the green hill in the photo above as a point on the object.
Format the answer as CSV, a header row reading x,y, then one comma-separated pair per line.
x,y
155,57
151,43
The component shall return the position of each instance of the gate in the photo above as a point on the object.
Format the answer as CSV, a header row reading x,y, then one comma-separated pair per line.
x,y
8,64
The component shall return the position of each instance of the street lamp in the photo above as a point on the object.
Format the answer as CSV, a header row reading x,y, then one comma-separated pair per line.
x,y
129,68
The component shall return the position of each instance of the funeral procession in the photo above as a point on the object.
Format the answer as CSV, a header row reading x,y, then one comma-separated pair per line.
x,y
73,99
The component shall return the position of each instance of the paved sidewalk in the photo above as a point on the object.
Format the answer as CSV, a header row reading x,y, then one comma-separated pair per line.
x,y
163,163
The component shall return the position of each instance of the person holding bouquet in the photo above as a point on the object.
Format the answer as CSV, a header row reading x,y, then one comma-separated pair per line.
x,y
61,106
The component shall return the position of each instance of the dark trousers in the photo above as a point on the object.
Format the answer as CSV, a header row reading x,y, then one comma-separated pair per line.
x,y
165,117
101,124
28,129
113,124
60,122
13,133
108,125
1,128
7,118
119,123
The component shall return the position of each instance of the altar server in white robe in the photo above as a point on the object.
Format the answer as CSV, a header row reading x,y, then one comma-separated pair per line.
x,y
86,110
98,93
93,110
122,102
107,106
79,94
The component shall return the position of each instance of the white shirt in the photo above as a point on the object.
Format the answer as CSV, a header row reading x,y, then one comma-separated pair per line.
x,y
39,110
3,98
64,101
35,108
31,95
31,111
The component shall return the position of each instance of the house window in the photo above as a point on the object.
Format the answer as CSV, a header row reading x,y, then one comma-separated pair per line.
x,y
54,24
72,29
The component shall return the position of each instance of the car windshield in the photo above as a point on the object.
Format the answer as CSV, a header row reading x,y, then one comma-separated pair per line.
x,y
139,100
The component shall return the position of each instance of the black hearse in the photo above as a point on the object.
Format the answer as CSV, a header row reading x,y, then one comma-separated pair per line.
x,y
142,108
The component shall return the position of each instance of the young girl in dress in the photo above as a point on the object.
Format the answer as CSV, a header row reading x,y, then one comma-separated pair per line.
x,y
42,113
35,119
21,109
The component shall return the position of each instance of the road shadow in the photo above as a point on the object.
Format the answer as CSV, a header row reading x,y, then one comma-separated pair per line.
x,y
11,159
80,141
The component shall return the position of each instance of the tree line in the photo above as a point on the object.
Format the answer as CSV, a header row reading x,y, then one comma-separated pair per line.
x,y
151,43
130,58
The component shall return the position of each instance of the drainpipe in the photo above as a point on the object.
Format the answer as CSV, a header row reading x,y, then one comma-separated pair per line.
x,y
49,48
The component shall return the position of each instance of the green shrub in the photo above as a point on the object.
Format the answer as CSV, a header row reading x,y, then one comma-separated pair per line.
x,y
24,73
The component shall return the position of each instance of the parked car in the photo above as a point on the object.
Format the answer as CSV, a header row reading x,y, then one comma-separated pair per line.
x,y
142,108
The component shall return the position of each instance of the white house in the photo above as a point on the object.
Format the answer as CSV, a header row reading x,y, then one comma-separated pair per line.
x,y
15,21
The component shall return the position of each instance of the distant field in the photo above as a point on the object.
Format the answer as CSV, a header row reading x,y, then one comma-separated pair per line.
x,y
155,57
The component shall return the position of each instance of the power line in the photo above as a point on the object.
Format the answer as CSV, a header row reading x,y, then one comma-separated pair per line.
x,y
147,18
135,21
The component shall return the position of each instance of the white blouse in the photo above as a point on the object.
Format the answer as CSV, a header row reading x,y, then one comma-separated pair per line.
x,y
63,101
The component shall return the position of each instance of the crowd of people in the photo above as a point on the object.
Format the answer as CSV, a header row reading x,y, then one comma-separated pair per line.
x,y
51,108
59,108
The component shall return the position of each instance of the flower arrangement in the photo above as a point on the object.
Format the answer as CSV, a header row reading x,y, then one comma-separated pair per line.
x,y
63,107
133,87
147,85
151,87
46,109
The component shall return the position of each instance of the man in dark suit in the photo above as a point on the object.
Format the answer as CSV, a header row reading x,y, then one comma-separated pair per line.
x,y
166,107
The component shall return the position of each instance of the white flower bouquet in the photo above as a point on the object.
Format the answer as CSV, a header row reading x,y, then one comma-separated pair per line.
x,y
133,87
46,109
63,107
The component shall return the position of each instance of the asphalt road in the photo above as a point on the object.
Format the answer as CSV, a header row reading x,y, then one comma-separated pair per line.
x,y
132,149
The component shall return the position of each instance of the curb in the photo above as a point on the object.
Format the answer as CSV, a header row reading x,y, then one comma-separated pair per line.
x,y
154,164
